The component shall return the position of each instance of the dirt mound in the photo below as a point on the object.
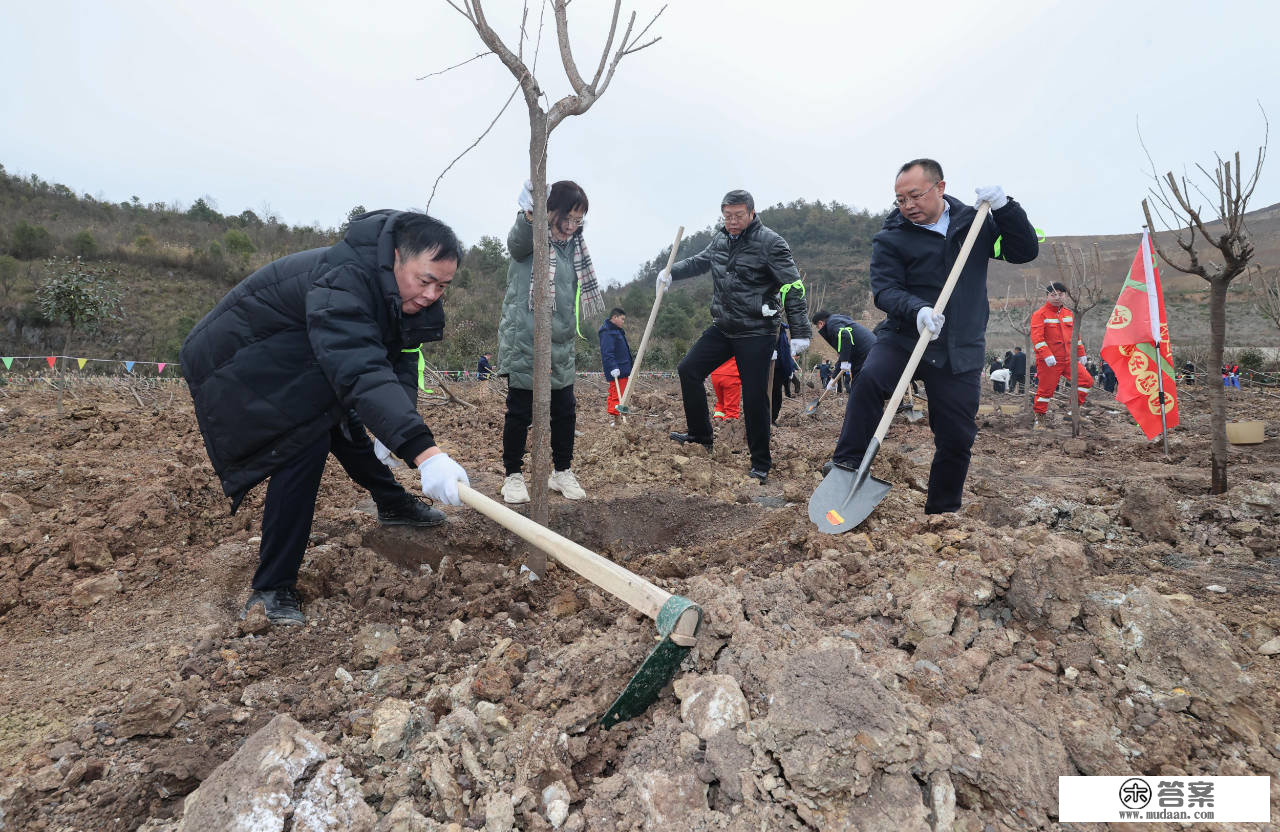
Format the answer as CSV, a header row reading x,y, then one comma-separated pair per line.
x,y
1090,611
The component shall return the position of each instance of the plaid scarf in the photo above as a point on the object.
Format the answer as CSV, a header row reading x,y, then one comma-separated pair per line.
x,y
592,303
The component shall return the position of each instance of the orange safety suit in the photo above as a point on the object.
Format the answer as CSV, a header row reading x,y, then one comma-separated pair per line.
x,y
728,387
1051,335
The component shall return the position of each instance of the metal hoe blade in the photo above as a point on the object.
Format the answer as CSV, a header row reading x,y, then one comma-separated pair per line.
x,y
661,665
846,498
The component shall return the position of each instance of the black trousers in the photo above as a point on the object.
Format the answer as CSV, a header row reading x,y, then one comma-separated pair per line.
x,y
754,354
953,410
291,498
515,430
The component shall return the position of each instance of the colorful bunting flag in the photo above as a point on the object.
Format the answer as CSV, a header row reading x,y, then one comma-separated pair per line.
x,y
81,362
128,366
1137,346
161,368
52,359
8,362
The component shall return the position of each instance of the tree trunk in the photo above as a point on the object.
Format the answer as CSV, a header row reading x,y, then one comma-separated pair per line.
x,y
1217,395
541,431
1028,394
1073,395
66,350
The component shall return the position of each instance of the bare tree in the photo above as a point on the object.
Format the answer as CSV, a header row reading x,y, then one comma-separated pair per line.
x,y
541,124
1020,322
1231,192
1264,286
1083,276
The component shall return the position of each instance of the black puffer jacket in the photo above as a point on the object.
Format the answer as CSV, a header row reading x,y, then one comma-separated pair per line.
x,y
293,347
909,267
748,273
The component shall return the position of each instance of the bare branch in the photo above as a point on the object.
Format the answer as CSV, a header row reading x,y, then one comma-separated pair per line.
x,y
560,8
608,44
470,147
467,14
455,66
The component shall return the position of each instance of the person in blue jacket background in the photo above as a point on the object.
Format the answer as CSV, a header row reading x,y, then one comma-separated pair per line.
x,y
615,357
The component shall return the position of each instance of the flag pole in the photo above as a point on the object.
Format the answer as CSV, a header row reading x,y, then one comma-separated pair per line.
x,y
1153,307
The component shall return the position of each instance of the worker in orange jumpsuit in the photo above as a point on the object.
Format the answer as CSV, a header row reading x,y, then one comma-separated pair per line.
x,y
728,387
1051,342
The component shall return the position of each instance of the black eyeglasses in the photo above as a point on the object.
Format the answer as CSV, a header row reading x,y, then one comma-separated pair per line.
x,y
900,201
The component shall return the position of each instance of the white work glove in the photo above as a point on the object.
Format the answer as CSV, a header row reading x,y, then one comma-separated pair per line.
x,y
525,200
1084,361
846,367
440,475
767,310
1050,361
993,194
384,455
831,385
799,345
664,280
615,372
926,318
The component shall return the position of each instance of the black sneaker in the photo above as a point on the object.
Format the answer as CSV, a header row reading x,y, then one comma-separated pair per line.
x,y
414,511
844,466
685,438
283,605
757,474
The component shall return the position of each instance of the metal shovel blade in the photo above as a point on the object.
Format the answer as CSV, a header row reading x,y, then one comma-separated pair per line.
x,y
845,498
812,407
661,665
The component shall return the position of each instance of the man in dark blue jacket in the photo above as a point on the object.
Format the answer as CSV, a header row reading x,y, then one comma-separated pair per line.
x,y
615,357
852,342
749,265
1017,370
484,370
300,356
911,256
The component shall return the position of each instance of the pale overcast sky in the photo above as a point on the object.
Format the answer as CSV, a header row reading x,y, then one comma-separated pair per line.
x,y
309,108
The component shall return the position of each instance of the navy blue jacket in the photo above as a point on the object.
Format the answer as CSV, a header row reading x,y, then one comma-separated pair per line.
x,y
283,357
614,352
1018,365
850,339
484,369
909,266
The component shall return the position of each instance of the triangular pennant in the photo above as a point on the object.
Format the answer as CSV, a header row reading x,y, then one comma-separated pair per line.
x,y
161,368
128,366
8,362
52,359
81,362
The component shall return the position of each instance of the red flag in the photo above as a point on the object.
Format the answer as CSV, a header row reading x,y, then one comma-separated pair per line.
x,y
52,359
1137,324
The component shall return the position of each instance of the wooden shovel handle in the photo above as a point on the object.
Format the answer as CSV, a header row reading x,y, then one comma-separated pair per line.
x,y
648,328
626,586
891,407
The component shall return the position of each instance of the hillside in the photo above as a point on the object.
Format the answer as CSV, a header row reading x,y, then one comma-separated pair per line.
x,y
174,262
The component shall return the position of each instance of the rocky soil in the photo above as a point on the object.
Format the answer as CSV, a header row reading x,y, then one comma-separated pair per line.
x,y
1092,610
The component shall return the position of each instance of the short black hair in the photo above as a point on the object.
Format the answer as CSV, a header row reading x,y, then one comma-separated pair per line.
x,y
931,169
1017,349
820,315
413,233
739,197
617,310
1055,286
564,196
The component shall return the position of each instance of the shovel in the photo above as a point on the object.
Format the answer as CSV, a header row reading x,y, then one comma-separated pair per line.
x,y
813,405
678,619
846,498
622,414
648,328
915,414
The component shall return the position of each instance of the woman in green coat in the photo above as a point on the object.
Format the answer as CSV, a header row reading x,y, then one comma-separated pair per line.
x,y
575,294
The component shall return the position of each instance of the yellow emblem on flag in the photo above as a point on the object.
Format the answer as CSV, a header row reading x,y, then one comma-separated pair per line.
x,y
1120,317
1146,382
1153,402
834,518
1138,362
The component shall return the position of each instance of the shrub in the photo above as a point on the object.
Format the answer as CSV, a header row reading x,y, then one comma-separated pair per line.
x,y
144,243
238,243
31,242
83,245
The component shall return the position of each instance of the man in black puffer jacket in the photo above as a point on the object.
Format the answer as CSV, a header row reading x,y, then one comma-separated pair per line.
x,y
911,256
300,356
749,265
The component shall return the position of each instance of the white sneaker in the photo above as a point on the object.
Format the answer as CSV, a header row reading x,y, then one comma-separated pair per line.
x,y
567,484
514,490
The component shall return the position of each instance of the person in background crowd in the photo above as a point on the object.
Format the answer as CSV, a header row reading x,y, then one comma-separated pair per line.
x,y
615,357
728,389
1017,371
484,370
1051,331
